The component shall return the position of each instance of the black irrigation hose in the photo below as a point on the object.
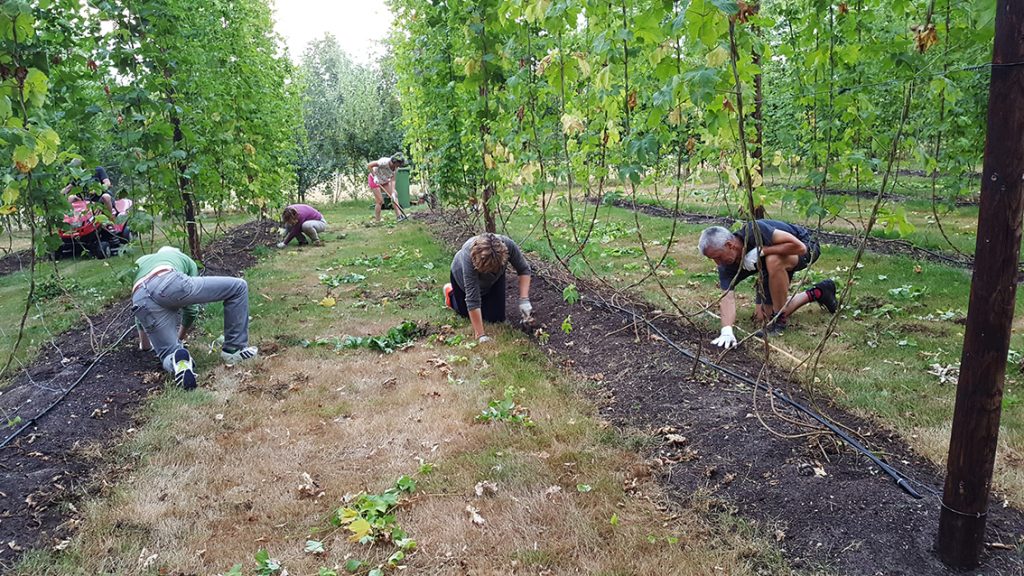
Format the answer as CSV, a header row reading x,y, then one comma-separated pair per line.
x,y
901,480
61,398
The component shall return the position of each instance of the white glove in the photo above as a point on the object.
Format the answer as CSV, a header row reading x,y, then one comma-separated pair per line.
x,y
483,339
280,244
726,339
526,309
750,260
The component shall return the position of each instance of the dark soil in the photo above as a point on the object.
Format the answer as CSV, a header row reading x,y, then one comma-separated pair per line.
x,y
877,245
15,262
59,458
851,520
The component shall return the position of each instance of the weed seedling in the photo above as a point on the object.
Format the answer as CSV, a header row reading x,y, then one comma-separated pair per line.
x,y
570,294
506,410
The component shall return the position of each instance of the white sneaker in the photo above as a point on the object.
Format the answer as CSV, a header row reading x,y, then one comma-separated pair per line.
x,y
243,355
184,373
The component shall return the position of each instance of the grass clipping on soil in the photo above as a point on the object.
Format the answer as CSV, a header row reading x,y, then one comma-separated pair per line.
x,y
261,457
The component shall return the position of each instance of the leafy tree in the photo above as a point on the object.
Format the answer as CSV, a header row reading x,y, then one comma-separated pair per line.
x,y
351,115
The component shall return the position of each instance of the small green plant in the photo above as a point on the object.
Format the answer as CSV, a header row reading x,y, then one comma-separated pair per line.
x,y
907,292
570,294
368,261
506,410
567,324
335,280
314,547
543,336
611,198
398,338
265,565
370,517
450,340
261,252
621,251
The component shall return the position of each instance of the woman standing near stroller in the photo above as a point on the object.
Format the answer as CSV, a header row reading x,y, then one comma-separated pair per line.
x,y
382,181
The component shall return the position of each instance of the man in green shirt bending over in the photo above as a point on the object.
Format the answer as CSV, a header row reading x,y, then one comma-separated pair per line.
x,y
166,297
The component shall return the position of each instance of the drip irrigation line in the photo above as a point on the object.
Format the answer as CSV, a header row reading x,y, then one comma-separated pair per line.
x,y
900,480
61,398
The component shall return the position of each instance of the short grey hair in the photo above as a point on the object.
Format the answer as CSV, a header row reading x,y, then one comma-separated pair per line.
x,y
713,237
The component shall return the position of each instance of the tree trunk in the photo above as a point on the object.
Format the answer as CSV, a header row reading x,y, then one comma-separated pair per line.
x,y
489,224
972,446
188,199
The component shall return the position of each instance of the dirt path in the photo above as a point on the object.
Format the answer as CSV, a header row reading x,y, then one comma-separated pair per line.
x,y
58,458
15,262
827,506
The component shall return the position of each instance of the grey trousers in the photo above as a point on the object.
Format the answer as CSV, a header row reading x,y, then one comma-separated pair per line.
x,y
158,303
312,228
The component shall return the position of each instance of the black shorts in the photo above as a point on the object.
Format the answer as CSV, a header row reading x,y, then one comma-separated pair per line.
x,y
492,304
762,294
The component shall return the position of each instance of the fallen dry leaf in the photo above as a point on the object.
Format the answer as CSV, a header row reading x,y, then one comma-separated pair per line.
x,y
309,487
474,515
677,439
485,488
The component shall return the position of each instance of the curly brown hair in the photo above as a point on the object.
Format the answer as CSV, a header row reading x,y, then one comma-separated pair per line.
x,y
488,254
289,216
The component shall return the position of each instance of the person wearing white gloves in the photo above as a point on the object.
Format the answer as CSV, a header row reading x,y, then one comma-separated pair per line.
x,y
772,250
477,287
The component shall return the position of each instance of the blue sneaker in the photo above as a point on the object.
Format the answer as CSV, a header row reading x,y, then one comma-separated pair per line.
x,y
184,374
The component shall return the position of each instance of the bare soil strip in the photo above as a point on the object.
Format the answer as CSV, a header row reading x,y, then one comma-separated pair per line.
x,y
826,505
15,262
60,458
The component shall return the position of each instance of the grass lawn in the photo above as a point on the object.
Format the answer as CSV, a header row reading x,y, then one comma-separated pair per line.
x,y
263,457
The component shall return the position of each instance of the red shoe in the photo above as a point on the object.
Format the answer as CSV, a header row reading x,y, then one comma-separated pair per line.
x,y
448,295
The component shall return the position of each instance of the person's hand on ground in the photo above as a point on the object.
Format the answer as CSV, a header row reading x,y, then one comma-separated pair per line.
x,y
726,339
280,244
750,260
526,309
483,339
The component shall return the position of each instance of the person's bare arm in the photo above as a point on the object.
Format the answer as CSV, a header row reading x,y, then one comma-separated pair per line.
x,y
476,318
524,286
727,308
784,244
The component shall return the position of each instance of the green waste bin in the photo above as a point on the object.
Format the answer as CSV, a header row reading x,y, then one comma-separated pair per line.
x,y
402,187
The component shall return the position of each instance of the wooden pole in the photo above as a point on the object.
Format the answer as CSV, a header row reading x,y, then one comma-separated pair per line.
x,y
972,445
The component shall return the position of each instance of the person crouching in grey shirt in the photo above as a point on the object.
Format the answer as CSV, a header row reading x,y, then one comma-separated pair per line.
x,y
477,288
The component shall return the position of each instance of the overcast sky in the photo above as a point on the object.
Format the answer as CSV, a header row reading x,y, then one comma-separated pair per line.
x,y
359,25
